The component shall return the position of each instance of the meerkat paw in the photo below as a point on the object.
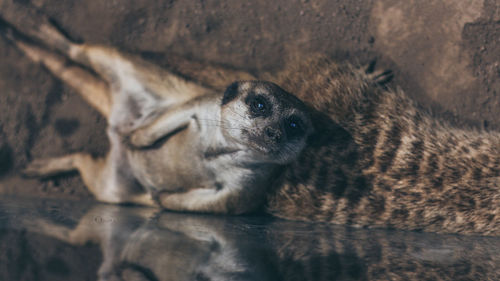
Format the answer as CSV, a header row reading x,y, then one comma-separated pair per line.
x,y
138,139
41,168
380,77
147,136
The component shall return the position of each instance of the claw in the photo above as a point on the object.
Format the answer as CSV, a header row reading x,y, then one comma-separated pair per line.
x,y
380,77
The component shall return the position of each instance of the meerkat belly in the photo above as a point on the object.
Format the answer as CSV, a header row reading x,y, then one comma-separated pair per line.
x,y
176,165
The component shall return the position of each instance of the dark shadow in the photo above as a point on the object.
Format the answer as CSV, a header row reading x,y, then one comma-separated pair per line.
x,y
6,159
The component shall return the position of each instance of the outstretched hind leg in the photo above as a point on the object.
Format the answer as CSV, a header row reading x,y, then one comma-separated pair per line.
x,y
114,66
123,72
101,178
94,90
89,168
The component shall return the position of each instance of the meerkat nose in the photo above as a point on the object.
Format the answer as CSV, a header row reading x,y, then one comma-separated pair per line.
x,y
273,134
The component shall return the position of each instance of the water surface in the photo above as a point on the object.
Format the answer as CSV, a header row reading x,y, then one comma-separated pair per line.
x,y
71,240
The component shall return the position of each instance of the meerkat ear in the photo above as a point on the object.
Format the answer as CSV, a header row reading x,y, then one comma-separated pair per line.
x,y
231,92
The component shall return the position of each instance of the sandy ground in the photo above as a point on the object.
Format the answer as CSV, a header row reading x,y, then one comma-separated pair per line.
x,y
444,53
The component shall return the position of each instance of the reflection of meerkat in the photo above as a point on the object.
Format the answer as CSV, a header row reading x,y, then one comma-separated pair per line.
x,y
154,245
195,149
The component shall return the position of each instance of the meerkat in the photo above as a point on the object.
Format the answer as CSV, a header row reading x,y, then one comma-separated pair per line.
x,y
173,142
378,160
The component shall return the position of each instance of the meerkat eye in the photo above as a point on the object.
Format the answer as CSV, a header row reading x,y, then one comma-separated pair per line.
x,y
294,126
259,106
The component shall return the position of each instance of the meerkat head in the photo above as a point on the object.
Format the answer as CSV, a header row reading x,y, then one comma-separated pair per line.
x,y
271,123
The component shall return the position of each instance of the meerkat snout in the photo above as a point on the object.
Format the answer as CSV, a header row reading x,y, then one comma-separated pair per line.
x,y
273,134
266,118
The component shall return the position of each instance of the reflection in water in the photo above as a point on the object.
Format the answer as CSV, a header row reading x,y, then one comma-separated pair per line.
x,y
56,240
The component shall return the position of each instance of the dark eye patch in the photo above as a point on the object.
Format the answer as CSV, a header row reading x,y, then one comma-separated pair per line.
x,y
259,105
231,93
294,126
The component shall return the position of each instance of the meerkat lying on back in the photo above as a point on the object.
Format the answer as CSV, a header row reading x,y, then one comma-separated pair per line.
x,y
173,142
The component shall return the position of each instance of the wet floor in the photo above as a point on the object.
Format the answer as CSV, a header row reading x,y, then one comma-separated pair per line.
x,y
71,240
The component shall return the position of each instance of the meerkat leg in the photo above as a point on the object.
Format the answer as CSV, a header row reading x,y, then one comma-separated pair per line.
x,y
94,90
106,61
225,201
172,120
35,24
126,75
90,169
195,200
99,175
123,72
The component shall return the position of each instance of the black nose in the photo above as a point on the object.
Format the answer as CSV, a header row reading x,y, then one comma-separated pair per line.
x,y
273,134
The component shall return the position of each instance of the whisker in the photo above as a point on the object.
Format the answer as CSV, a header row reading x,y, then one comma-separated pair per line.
x,y
227,128
223,124
237,113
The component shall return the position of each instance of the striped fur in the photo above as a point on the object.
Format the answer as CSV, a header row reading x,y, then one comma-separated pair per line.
x,y
382,161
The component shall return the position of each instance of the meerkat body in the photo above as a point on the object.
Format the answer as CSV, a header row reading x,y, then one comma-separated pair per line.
x,y
227,148
173,143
